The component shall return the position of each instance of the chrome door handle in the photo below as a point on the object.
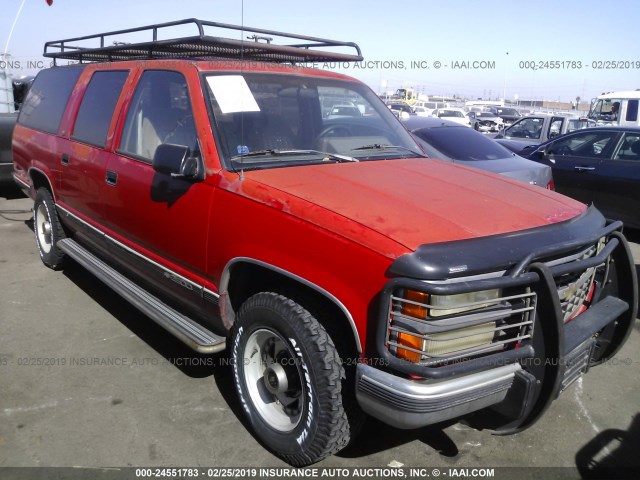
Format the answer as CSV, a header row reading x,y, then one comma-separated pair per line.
x,y
585,169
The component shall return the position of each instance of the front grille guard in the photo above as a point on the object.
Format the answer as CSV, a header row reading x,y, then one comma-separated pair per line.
x,y
519,277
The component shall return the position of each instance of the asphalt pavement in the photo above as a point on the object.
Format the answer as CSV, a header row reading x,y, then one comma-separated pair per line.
x,y
86,380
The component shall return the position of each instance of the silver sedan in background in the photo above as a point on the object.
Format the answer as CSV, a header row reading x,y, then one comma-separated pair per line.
x,y
452,142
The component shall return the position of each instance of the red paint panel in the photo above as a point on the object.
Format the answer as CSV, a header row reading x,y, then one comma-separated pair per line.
x,y
243,227
169,222
416,201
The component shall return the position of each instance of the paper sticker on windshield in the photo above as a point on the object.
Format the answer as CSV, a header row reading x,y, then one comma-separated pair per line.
x,y
232,93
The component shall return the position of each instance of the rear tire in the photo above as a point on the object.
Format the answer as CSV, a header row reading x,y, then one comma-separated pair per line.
x,y
288,375
48,230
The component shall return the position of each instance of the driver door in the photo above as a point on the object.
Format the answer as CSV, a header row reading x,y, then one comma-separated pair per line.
x,y
159,223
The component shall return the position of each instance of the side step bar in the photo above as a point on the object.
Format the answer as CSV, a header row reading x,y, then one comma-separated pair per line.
x,y
191,333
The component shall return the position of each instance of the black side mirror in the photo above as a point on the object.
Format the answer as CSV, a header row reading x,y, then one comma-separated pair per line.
x,y
546,154
174,160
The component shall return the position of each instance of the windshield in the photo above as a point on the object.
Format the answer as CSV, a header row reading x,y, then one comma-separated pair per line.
x,y
462,143
507,111
275,120
606,110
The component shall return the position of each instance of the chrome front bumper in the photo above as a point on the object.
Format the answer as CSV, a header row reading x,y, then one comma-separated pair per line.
x,y
405,403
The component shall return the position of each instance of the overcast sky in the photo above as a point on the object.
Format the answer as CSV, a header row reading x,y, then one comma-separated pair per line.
x,y
504,38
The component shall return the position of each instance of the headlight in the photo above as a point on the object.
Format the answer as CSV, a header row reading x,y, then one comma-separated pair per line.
x,y
422,306
435,330
451,304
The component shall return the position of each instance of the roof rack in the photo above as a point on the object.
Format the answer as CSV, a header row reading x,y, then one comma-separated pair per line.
x,y
94,48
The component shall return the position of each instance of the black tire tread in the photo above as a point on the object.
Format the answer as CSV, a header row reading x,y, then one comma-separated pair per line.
x,y
333,434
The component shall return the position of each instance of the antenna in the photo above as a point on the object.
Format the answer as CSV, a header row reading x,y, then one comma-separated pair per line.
x,y
241,73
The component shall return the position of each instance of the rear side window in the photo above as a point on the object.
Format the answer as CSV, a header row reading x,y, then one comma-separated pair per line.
x,y
462,143
97,107
47,98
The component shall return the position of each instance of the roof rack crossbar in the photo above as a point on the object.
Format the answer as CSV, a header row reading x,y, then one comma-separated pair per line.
x,y
254,47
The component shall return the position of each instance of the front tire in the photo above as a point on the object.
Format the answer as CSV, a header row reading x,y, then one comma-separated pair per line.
x,y
48,230
288,375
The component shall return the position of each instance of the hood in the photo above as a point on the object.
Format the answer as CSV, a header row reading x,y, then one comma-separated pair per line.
x,y
409,201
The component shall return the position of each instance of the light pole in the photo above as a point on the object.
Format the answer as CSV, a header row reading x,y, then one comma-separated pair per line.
x,y
504,86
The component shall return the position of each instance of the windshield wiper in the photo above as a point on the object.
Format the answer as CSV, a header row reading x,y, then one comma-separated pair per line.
x,y
274,152
379,146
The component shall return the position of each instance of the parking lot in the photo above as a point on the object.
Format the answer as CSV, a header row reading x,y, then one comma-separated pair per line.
x,y
86,380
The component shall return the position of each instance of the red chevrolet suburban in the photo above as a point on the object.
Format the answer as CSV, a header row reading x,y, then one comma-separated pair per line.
x,y
205,180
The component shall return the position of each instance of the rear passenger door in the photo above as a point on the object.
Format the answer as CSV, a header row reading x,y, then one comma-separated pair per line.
x,y
159,223
84,159
575,160
617,191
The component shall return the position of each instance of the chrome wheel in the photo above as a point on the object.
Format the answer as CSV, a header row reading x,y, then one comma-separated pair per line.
x,y
42,224
48,229
273,379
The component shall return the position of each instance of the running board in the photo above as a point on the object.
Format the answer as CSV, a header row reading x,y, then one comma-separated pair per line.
x,y
191,333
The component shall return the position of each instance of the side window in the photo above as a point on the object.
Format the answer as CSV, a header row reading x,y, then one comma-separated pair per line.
x,y
20,90
629,147
590,144
632,111
160,112
555,127
526,128
47,98
98,104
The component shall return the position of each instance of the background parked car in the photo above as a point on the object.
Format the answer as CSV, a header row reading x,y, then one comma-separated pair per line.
x,y
339,111
400,109
524,136
452,142
485,121
422,111
456,115
509,115
599,166
431,105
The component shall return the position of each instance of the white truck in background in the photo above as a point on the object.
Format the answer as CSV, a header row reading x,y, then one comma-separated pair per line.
x,y
616,108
